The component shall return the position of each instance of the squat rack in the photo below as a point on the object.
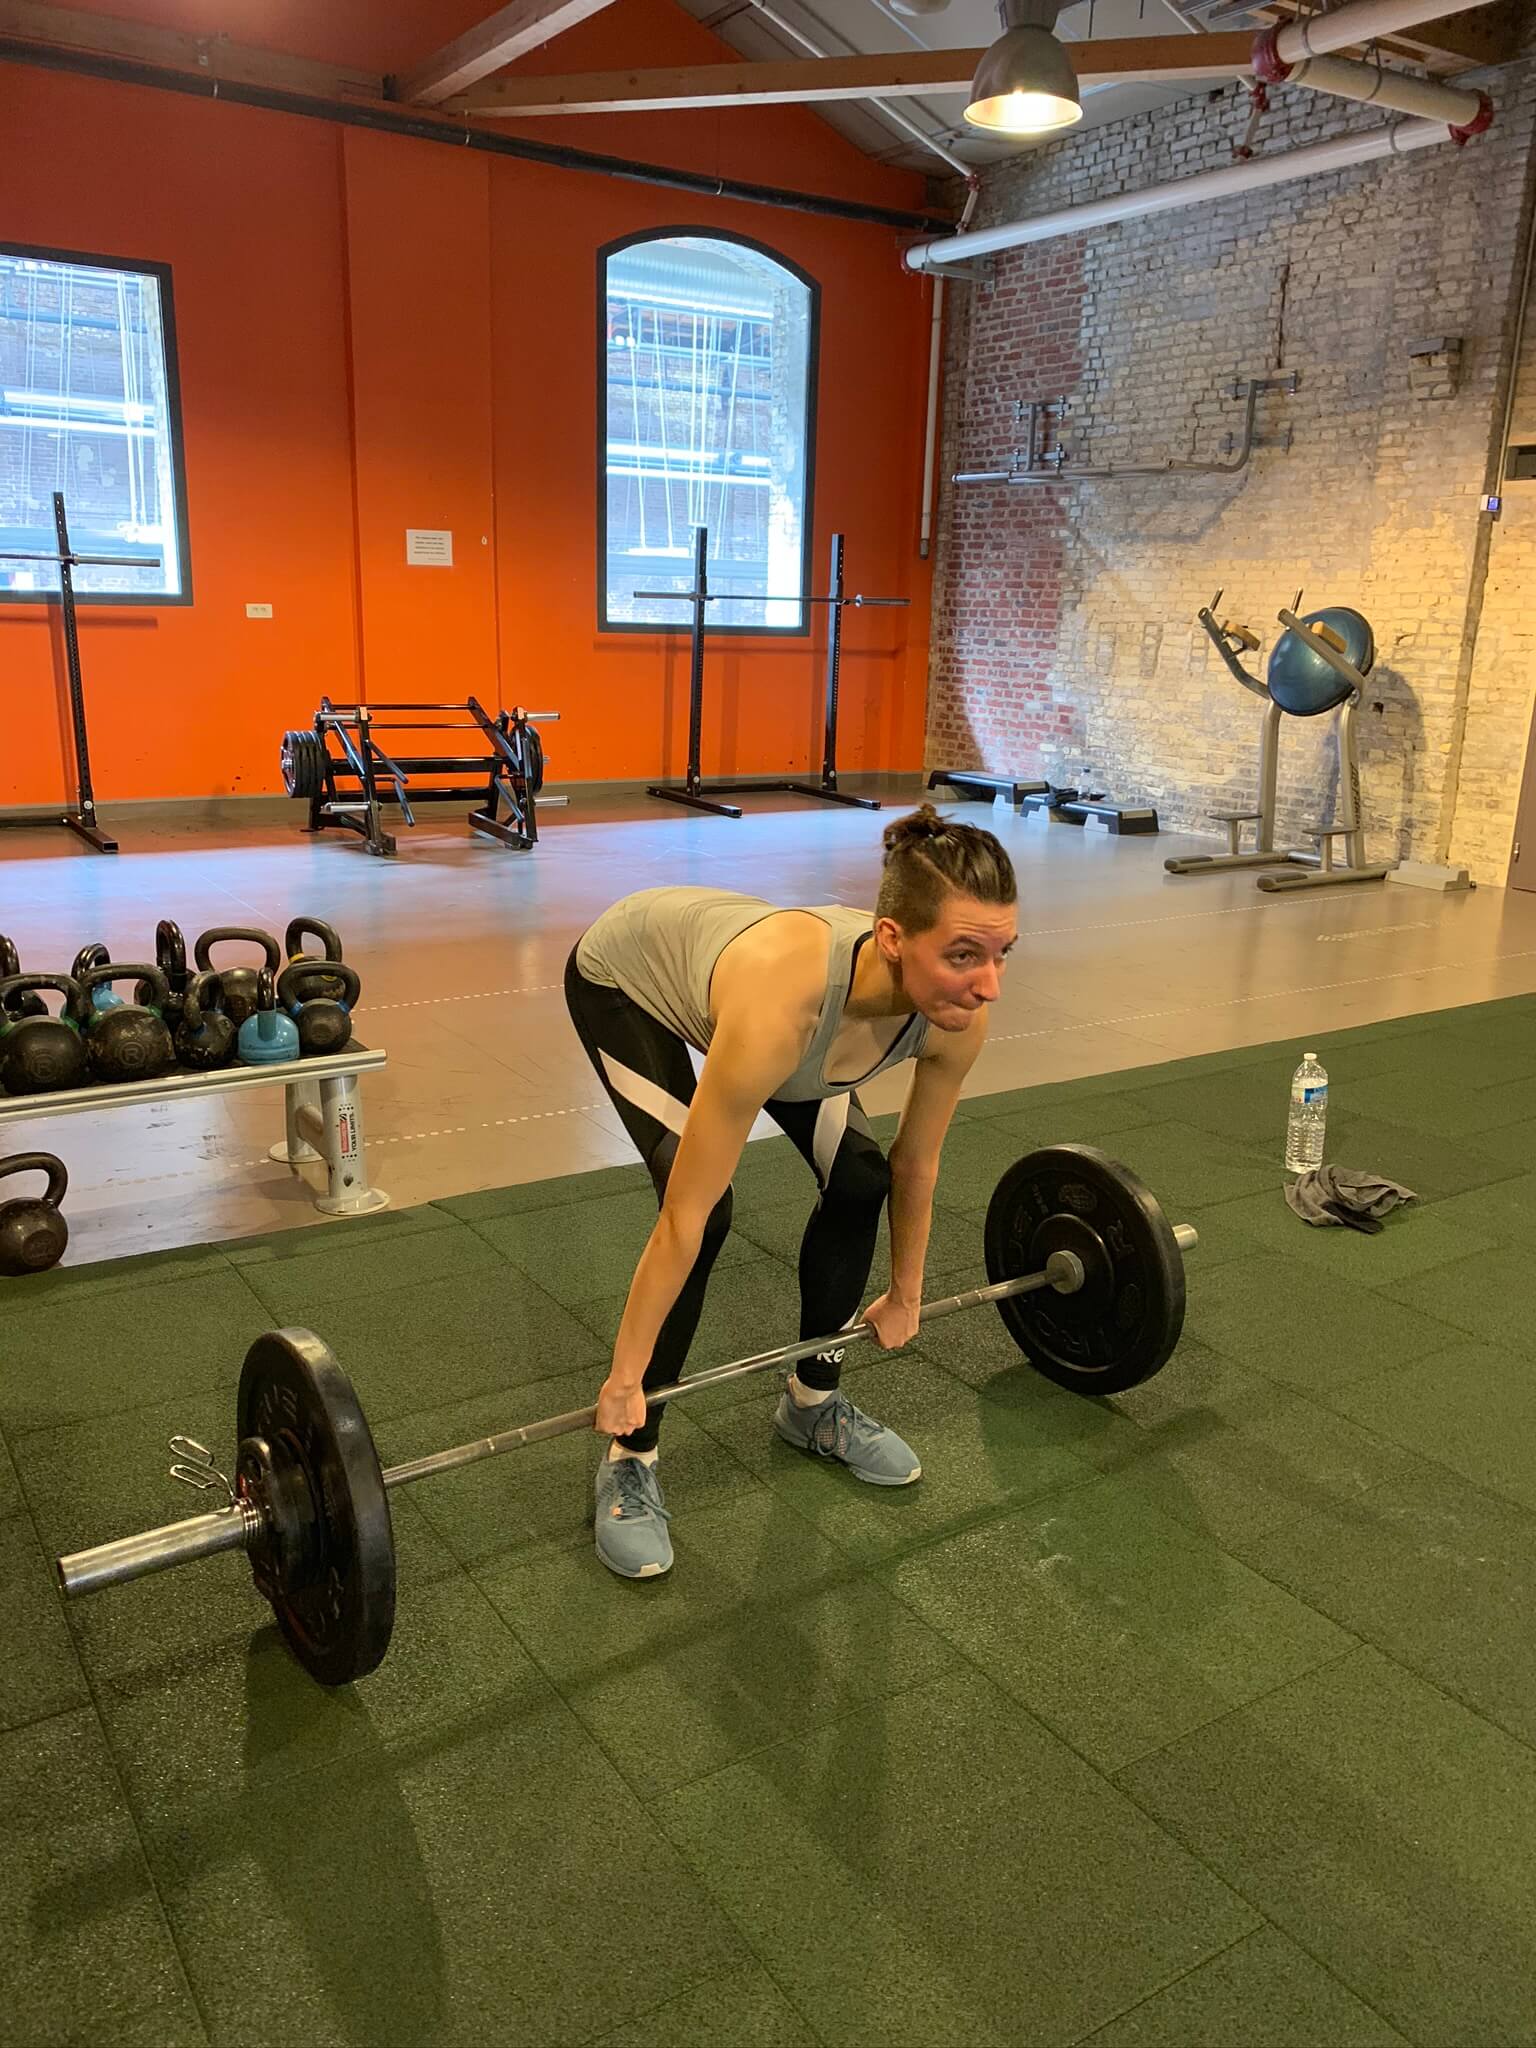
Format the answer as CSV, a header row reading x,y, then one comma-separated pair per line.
x,y
81,817
694,791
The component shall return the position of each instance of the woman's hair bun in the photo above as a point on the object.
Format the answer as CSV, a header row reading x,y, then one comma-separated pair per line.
x,y
923,823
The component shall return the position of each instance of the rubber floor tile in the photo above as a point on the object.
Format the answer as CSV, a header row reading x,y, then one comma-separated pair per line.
x,y
92,1357
106,1277
92,1482
533,1503
1444,1097
743,2009
1088,1115
1433,1166
1386,1829
1469,1407
1513,1145
576,1252
437,1884
1233,1455
326,1280
1262,1990
40,1673
1491,1296
1413,1238
226,1720
992,1887
83,1942
1118,1627
977,1458
1502,1213
1440,1576
485,1205
1307,1329
1189,1170
758,1629
487,1330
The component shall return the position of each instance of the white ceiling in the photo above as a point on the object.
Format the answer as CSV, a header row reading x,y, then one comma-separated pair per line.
x,y
842,27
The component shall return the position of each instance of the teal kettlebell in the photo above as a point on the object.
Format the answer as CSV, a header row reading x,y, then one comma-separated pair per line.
x,y
103,995
267,1037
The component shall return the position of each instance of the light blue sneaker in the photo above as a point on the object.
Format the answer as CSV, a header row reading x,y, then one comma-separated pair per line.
x,y
632,1537
834,1428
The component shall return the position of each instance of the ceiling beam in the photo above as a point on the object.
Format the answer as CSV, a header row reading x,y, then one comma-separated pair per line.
x,y
65,28
510,33
897,74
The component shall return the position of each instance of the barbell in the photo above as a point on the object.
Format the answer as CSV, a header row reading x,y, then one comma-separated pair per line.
x,y
1086,1272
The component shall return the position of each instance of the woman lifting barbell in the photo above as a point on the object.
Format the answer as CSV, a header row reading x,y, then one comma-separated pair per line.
x,y
792,1010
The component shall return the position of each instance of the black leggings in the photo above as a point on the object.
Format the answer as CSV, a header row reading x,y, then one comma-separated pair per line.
x,y
649,1078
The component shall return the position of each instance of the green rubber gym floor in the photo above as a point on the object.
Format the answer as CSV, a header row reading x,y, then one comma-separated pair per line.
x,y
1204,1717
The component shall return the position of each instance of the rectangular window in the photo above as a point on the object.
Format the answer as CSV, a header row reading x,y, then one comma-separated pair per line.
x,y
708,353
89,406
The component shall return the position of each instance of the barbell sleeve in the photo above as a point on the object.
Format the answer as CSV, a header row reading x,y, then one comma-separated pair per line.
x,y
156,1550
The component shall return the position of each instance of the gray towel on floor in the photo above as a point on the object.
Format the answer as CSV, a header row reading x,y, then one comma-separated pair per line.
x,y
1334,1195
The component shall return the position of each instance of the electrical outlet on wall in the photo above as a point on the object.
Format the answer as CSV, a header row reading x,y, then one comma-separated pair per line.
x,y
258,611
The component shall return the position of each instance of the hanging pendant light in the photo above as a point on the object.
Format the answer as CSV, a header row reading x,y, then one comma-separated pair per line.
x,y
1025,84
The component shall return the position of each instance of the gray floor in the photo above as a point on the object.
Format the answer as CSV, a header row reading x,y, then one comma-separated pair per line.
x,y
461,946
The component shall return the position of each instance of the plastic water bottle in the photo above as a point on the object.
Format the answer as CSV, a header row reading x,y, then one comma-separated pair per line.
x,y
1308,1123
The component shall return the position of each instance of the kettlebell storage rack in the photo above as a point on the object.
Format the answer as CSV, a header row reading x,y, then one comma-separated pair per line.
x,y
323,1120
346,777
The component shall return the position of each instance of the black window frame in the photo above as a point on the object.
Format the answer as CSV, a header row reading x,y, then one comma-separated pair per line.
x,y
139,600
812,382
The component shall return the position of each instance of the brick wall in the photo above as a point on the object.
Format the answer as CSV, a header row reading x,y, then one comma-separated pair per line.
x,y
1065,634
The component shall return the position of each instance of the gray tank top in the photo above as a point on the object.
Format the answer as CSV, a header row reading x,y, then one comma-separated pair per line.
x,y
660,947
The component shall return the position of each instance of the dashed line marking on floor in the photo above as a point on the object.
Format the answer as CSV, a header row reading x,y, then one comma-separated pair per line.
x,y
494,1123
474,995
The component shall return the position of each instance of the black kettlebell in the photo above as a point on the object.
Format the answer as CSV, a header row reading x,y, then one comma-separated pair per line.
x,y
171,954
28,1004
240,983
33,1232
130,1042
315,983
324,1021
205,1037
40,1054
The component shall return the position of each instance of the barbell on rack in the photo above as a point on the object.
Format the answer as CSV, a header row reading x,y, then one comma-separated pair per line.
x,y
1086,1272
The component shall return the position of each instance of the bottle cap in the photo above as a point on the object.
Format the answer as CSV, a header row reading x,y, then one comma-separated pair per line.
x,y
1309,1055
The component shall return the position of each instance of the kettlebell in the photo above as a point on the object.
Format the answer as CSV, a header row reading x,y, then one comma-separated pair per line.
x,y
299,929
267,1036
205,1037
324,1021
171,954
132,1041
39,1054
239,982
33,1232
96,955
27,1005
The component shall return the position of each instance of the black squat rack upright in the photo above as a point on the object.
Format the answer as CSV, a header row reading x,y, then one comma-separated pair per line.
x,y
81,817
346,777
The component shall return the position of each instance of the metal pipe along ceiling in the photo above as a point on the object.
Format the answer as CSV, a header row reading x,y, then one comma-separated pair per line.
x,y
1340,153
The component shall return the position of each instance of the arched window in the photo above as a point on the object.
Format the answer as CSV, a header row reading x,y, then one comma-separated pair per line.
x,y
707,400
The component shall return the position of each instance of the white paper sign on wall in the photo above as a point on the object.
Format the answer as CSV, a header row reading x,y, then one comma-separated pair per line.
x,y
429,547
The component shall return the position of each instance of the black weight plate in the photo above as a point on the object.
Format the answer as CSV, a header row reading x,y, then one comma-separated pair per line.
x,y
1125,1320
331,1577
533,757
303,764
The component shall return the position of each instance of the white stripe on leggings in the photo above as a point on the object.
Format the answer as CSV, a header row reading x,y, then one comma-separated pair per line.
x,y
645,1095
831,1123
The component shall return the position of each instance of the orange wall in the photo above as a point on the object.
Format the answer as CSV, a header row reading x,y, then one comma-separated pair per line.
x,y
376,333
